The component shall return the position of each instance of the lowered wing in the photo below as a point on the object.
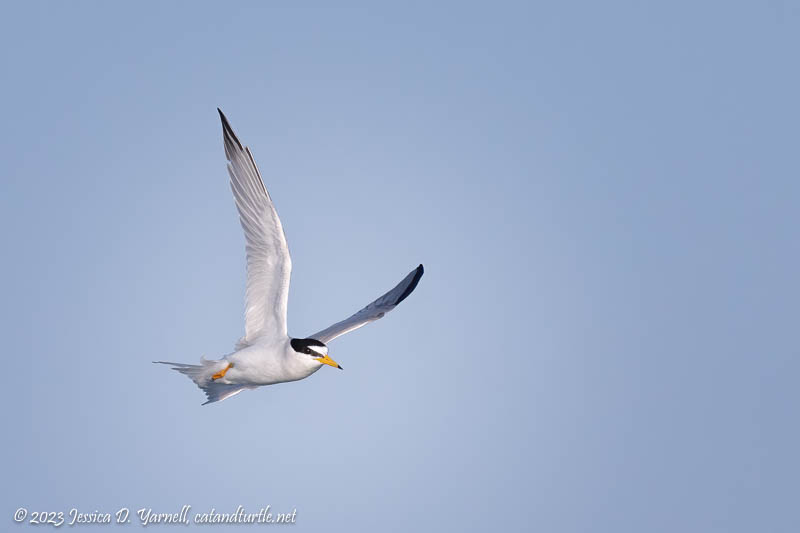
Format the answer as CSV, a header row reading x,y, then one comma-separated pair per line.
x,y
373,311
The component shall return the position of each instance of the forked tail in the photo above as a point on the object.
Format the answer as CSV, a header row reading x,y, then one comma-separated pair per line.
x,y
201,375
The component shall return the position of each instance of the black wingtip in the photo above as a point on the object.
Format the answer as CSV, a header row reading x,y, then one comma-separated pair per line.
x,y
226,128
413,285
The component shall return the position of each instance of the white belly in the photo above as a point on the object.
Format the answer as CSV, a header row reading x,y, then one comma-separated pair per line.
x,y
267,363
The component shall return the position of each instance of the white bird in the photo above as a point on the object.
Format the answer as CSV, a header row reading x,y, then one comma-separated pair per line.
x,y
266,354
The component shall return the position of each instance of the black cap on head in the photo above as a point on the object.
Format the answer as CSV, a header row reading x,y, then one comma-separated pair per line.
x,y
301,345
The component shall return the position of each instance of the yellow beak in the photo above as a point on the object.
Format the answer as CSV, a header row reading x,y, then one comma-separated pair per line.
x,y
328,361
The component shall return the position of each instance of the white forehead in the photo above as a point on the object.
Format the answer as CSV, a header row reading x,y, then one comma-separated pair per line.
x,y
322,350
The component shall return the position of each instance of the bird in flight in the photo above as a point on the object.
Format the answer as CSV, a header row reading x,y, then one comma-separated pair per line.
x,y
267,354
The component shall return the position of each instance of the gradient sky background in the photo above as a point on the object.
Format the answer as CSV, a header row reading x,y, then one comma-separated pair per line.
x,y
605,198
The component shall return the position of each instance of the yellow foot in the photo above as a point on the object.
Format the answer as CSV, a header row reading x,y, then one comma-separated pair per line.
x,y
222,372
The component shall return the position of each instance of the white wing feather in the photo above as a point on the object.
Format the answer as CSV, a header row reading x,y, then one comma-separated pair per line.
x,y
269,266
373,311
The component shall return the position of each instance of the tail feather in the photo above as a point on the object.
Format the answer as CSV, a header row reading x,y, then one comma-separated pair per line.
x,y
201,375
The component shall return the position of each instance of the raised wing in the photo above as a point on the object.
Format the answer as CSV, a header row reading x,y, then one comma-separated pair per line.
x,y
375,310
269,265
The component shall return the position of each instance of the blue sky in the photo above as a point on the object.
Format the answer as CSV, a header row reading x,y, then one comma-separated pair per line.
x,y
605,198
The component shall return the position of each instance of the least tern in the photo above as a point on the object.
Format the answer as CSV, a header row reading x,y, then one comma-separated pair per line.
x,y
267,354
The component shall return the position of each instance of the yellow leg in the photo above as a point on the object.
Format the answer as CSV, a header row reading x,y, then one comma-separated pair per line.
x,y
222,372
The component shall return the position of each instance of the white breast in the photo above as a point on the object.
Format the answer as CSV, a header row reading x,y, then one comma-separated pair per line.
x,y
267,362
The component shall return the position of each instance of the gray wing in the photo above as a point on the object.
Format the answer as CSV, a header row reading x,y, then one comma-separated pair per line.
x,y
373,311
269,266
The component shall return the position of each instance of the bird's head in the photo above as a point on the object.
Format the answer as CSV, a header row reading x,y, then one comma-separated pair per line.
x,y
314,349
